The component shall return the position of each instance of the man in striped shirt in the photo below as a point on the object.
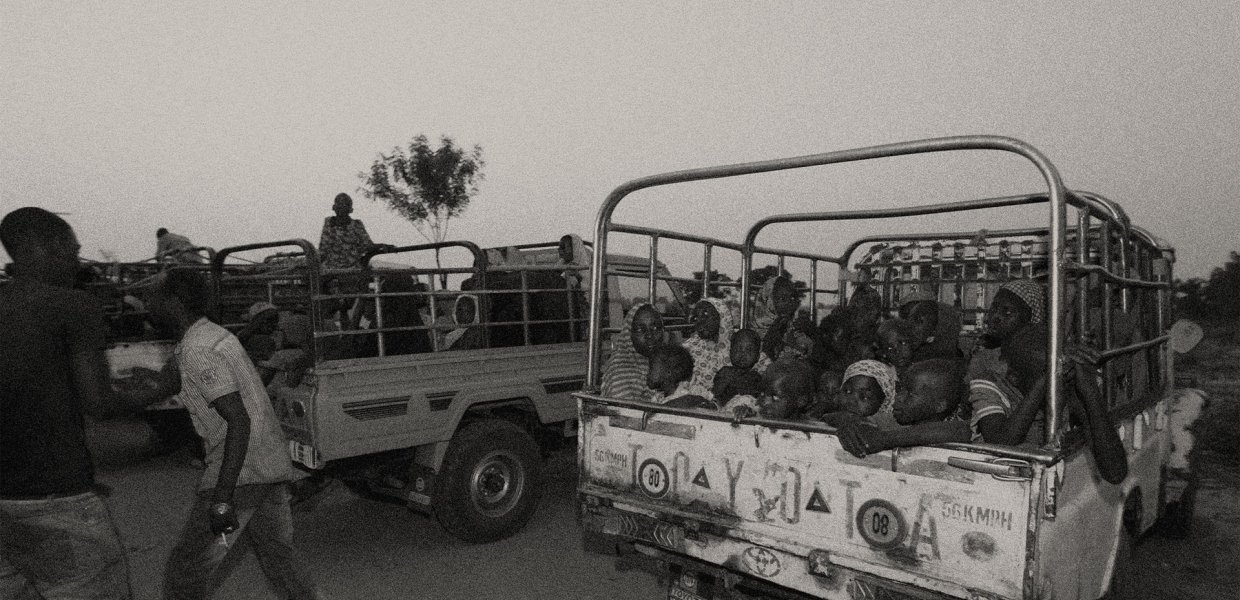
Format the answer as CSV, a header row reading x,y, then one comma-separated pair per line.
x,y
243,493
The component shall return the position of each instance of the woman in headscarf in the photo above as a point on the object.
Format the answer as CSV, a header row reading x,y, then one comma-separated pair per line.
x,y
710,345
624,375
469,334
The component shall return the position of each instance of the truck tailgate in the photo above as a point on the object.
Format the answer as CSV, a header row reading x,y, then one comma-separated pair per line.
x,y
765,497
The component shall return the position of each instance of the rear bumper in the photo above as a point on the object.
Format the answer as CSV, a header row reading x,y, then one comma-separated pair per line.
x,y
644,543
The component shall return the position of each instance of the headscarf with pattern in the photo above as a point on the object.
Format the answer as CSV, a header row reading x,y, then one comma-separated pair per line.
x,y
1032,294
624,375
708,356
883,373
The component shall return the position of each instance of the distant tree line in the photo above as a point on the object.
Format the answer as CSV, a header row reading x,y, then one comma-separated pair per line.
x,y
757,277
1217,297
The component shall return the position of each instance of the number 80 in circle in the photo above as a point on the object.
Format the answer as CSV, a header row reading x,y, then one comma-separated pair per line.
x,y
653,479
881,524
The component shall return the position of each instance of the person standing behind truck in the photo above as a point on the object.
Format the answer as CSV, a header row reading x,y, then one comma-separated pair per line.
x,y
175,248
244,488
57,539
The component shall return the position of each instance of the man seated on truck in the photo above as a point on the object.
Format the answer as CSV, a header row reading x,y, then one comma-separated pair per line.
x,y
998,390
1007,400
926,410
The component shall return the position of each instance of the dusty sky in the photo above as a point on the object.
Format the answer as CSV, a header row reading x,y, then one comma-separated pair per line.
x,y
233,122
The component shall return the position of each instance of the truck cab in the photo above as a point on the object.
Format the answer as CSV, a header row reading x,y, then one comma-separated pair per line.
x,y
721,506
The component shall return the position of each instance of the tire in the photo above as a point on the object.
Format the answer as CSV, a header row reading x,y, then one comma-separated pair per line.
x,y
488,486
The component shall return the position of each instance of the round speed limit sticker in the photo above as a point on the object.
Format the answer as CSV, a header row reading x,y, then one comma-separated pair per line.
x,y
881,524
652,478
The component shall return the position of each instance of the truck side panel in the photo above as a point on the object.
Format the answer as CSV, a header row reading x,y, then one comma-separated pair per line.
x,y
362,406
908,517
1078,545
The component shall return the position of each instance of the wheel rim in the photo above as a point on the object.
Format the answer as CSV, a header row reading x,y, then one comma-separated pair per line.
x,y
497,483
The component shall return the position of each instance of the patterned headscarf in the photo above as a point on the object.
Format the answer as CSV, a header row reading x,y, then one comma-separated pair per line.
x,y
708,356
883,373
624,375
1031,293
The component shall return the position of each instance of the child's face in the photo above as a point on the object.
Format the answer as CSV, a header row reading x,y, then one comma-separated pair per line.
x,y
920,401
782,399
860,395
896,348
864,311
660,377
784,300
799,341
706,321
925,319
744,352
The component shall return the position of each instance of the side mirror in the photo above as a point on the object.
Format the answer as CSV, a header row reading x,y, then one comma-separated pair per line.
x,y
1185,335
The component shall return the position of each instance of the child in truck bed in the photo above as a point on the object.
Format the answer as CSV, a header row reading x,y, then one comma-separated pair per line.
x,y
670,376
867,394
897,339
740,378
788,393
710,344
926,411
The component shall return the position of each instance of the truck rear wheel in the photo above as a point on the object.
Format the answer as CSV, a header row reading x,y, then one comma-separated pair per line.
x,y
488,486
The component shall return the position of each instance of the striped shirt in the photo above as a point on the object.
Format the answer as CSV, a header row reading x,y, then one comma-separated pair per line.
x,y
990,393
213,364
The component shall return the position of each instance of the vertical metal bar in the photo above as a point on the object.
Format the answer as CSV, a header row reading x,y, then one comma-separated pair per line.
x,y
1058,232
1108,312
746,267
1082,281
525,307
1125,294
651,281
572,311
378,315
813,290
433,299
707,252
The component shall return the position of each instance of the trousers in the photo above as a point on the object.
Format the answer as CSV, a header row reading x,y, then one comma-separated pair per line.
x,y
61,548
200,561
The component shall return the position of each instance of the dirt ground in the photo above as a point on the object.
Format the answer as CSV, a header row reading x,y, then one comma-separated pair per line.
x,y
366,550
362,549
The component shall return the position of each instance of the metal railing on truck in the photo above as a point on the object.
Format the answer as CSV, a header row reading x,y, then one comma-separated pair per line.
x,y
111,282
1120,246
296,282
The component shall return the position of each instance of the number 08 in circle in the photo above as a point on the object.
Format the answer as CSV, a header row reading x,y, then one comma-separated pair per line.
x,y
881,524
653,479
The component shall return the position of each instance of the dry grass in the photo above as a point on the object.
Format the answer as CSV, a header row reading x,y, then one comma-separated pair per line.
x,y
1215,365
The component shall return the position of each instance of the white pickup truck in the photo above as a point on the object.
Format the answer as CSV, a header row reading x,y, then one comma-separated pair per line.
x,y
724,507
388,404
